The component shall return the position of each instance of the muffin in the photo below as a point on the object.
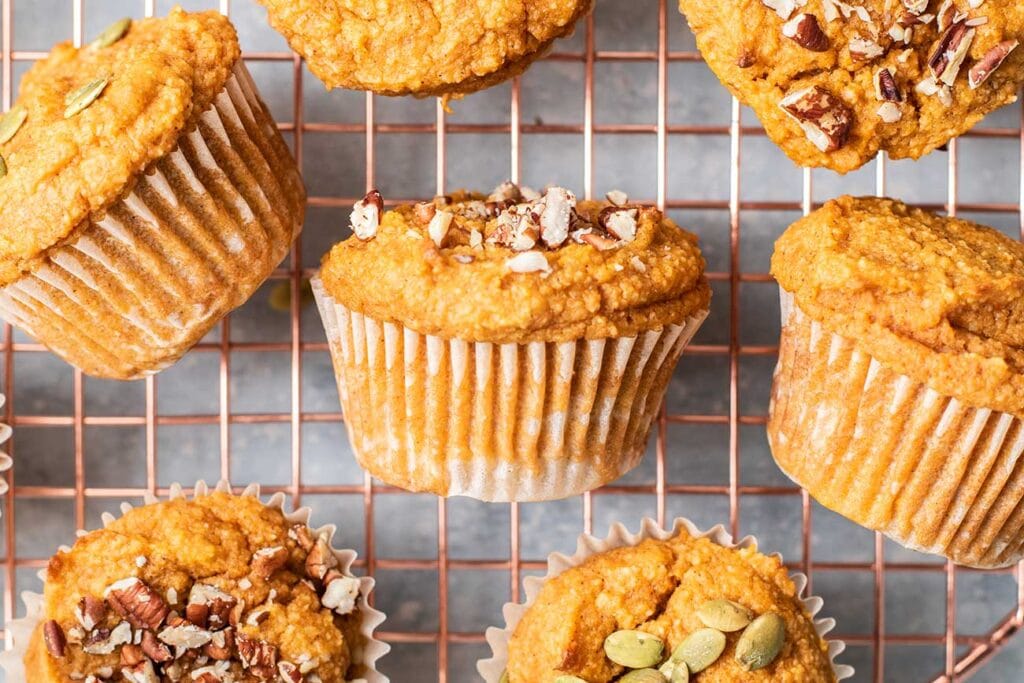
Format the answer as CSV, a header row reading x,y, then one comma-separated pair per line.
x,y
834,83
514,346
146,192
214,589
899,391
693,606
417,48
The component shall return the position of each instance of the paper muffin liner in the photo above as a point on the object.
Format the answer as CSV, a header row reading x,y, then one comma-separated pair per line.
x,y
497,422
19,631
893,455
619,536
200,230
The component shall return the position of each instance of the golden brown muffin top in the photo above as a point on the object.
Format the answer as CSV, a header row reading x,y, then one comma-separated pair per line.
x,y
222,581
64,166
819,63
518,266
938,299
423,48
662,588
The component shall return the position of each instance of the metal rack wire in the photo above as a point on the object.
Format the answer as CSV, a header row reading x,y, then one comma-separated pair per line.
x,y
963,654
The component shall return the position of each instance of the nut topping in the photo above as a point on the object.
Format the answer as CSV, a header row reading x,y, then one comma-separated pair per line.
x,y
138,603
890,112
302,535
946,15
221,645
90,612
424,211
53,635
865,50
218,606
143,672
825,118
154,649
528,262
559,208
438,227
266,561
132,655
949,52
185,637
598,241
806,32
341,592
916,6
617,198
104,642
320,559
366,215
784,8
886,88
257,656
992,60
289,672
619,222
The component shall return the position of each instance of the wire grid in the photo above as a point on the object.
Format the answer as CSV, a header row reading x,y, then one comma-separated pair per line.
x,y
963,654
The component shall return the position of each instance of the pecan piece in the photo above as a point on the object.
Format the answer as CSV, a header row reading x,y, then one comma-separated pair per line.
x,y
221,645
218,605
916,6
949,52
266,561
557,216
618,222
143,672
154,649
198,614
946,15
886,89
320,559
302,535
439,225
259,657
289,672
340,592
138,603
366,215
53,635
825,118
784,8
132,655
805,31
992,60
865,50
91,612
598,241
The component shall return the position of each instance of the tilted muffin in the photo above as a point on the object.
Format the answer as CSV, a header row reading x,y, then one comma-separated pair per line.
x,y
412,47
511,347
900,386
690,605
834,82
147,193
220,588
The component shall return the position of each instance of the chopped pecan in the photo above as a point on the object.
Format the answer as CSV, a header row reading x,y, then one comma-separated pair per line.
x,y
221,645
784,8
366,215
154,649
504,192
132,655
138,603
438,227
598,241
620,223
259,657
198,614
143,672
805,31
825,118
865,49
916,6
949,52
289,672
617,198
91,612
53,635
266,561
528,262
992,60
424,211
886,88
302,535
946,15
890,112
340,592
217,602
320,559
559,208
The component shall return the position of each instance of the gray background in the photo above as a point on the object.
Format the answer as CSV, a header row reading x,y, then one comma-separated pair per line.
x,y
405,526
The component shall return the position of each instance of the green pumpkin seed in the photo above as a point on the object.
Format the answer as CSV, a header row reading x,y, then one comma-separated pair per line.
x,y
725,615
675,671
79,99
11,123
111,34
3,167
643,676
569,679
634,649
761,642
700,649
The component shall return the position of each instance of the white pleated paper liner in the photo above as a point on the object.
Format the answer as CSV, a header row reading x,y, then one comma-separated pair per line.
x,y
194,237
620,537
497,422
890,453
19,631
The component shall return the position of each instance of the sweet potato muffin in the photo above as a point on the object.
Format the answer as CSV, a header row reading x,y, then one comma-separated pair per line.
x,y
222,588
686,603
900,386
145,193
415,47
835,82
511,346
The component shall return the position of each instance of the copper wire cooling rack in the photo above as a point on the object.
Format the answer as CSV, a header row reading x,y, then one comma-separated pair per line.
x,y
962,652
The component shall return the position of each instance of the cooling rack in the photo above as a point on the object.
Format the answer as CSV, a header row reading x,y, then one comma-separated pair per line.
x,y
627,101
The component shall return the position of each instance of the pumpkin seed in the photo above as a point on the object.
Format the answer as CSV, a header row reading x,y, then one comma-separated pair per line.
x,y
700,649
634,649
3,167
643,676
725,615
680,673
761,642
569,679
11,123
79,99
111,34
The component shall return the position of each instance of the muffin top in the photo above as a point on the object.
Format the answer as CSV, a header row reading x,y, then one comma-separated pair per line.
x,y
684,592
518,266
95,117
183,588
938,299
423,48
835,82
